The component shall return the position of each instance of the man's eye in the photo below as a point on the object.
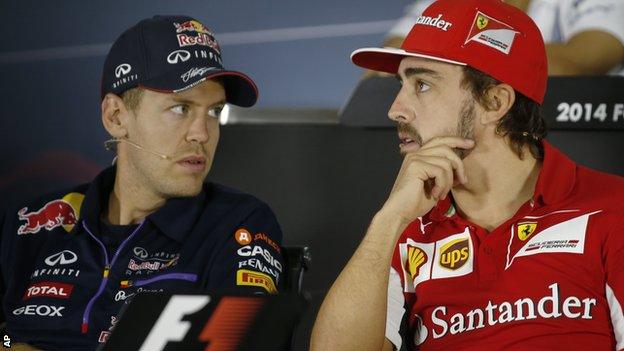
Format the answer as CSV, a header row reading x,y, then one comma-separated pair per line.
x,y
215,111
422,87
179,109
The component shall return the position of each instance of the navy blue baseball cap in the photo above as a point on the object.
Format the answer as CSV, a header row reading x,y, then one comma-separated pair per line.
x,y
170,54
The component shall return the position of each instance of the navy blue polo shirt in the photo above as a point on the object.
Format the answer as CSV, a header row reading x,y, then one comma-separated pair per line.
x,y
65,279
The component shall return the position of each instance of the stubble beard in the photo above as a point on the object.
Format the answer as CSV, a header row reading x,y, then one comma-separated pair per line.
x,y
464,128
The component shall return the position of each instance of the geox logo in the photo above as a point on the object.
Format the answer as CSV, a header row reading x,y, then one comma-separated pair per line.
x,y
437,22
416,259
455,254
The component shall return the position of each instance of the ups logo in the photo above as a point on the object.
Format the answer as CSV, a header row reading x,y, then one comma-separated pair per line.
x,y
455,254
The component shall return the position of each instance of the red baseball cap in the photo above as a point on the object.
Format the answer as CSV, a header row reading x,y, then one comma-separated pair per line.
x,y
488,35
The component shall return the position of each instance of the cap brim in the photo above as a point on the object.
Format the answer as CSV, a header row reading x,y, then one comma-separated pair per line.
x,y
388,59
240,90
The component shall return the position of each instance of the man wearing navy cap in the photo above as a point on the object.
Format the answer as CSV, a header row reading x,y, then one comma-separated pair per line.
x,y
71,259
491,238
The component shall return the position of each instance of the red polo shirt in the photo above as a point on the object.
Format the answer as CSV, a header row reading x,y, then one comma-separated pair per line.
x,y
549,278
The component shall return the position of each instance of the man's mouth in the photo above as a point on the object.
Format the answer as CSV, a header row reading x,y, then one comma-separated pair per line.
x,y
405,141
193,163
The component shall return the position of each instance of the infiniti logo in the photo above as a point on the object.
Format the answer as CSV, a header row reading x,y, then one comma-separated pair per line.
x,y
140,252
61,258
122,70
178,56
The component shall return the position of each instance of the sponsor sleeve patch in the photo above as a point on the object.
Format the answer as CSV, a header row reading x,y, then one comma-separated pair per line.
x,y
246,277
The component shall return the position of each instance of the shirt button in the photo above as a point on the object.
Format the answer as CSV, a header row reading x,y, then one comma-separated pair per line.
x,y
488,250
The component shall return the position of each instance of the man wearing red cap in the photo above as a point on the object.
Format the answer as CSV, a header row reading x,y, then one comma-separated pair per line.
x,y
490,238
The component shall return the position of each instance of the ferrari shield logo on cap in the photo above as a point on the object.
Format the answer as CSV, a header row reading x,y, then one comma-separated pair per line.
x,y
482,21
491,32
526,229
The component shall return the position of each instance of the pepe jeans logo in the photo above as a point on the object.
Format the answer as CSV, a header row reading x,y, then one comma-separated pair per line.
x,y
178,56
122,70
62,258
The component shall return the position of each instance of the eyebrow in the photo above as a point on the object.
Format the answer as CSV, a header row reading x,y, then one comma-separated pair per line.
x,y
412,71
191,102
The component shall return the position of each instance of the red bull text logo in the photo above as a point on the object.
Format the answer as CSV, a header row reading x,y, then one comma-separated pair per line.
x,y
61,212
204,35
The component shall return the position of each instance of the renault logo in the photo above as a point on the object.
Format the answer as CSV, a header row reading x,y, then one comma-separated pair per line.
x,y
61,258
122,70
178,56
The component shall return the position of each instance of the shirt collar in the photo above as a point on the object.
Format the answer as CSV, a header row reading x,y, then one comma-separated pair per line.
x,y
175,218
555,181
557,176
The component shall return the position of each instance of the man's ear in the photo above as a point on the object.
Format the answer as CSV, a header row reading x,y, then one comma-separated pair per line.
x,y
500,99
114,116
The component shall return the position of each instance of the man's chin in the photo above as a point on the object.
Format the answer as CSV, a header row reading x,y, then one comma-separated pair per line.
x,y
189,190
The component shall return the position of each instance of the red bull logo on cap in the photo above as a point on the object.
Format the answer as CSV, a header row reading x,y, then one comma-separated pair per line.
x,y
204,35
56,213
191,26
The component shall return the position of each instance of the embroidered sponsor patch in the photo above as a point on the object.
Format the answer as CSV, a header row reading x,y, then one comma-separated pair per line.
x,y
491,32
449,257
251,278
567,236
56,213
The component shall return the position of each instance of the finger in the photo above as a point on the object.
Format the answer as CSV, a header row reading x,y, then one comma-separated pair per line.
x,y
447,167
447,152
451,141
438,175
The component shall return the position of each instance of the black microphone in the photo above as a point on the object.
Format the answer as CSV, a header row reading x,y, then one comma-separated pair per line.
x,y
108,144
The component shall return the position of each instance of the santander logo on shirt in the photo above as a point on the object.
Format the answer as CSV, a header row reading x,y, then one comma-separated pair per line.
x,y
552,305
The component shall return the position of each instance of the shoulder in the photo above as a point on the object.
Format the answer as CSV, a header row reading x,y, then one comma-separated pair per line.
x,y
229,198
71,196
601,187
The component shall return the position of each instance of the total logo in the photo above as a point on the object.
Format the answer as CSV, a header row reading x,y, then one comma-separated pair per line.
x,y
39,310
49,289
61,258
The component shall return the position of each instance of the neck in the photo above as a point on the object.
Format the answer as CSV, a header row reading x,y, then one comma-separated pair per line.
x,y
130,202
499,183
